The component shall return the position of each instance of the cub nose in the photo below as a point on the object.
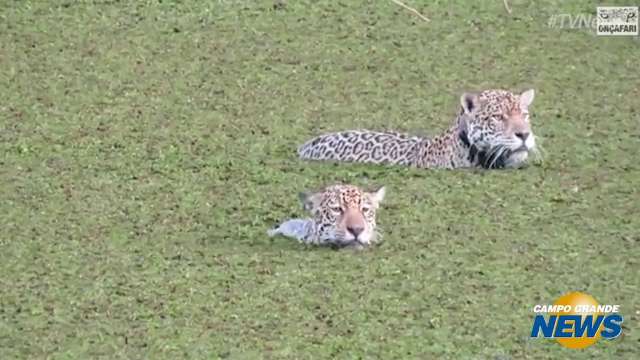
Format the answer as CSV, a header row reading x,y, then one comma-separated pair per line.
x,y
522,135
355,230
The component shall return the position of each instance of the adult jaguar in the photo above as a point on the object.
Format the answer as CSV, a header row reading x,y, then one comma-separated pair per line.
x,y
491,130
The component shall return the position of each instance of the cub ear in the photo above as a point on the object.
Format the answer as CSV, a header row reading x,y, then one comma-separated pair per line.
x,y
468,101
378,195
308,200
526,98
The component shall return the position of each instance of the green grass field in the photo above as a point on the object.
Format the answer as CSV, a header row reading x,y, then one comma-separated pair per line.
x,y
146,147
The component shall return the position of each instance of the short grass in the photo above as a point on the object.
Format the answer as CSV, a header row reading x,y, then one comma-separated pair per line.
x,y
146,147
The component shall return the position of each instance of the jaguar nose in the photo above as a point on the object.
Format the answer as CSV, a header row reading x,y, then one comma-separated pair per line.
x,y
355,230
522,135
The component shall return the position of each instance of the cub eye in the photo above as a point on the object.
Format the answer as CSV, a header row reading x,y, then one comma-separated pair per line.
x,y
336,210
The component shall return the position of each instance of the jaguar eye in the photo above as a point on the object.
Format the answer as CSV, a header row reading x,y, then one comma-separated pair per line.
x,y
336,210
366,209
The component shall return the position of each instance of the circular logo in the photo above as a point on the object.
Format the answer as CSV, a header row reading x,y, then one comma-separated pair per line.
x,y
581,302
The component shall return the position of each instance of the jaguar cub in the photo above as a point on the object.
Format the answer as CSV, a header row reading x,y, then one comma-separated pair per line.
x,y
341,216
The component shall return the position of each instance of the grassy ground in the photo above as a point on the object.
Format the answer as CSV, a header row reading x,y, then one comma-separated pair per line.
x,y
145,149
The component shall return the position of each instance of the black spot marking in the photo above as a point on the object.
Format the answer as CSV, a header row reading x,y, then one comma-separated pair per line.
x,y
345,150
368,146
363,157
464,138
387,147
376,154
357,148
473,151
381,138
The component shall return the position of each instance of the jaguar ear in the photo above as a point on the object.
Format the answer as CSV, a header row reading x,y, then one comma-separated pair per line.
x,y
462,125
526,98
378,195
469,102
463,130
308,200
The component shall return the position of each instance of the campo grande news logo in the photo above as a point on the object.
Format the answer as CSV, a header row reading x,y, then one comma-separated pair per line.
x,y
576,321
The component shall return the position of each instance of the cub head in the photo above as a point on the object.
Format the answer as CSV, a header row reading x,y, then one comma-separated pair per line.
x,y
344,214
496,123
